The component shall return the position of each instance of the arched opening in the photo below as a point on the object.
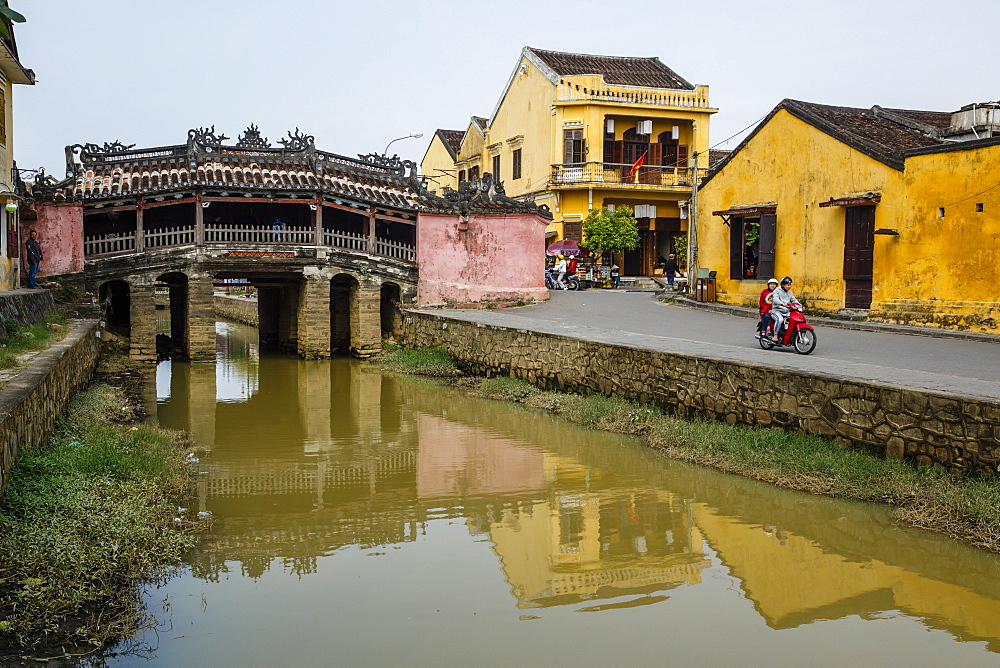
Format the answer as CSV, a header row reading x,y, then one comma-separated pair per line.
x,y
390,316
172,338
116,305
343,314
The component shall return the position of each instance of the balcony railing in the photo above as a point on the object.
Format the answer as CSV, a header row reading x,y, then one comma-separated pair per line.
x,y
697,98
654,176
125,243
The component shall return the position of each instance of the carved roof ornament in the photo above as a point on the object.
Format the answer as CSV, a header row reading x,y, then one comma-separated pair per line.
x,y
395,164
483,195
251,138
108,147
298,141
206,136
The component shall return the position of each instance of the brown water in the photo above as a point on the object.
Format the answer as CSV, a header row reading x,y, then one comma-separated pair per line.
x,y
367,520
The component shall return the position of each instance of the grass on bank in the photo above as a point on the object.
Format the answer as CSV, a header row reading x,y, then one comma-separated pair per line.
x,y
963,507
38,336
84,522
424,362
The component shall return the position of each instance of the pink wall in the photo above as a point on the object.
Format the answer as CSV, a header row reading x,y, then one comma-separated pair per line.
x,y
489,258
60,234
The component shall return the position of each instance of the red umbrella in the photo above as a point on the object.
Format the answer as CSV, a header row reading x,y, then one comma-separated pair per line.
x,y
565,247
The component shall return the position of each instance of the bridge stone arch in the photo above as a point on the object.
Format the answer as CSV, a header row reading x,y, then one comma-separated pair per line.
x,y
390,316
115,296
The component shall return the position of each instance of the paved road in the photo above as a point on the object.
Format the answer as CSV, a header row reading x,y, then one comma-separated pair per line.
x,y
638,319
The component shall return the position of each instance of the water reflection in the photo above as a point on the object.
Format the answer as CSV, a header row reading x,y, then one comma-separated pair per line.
x,y
308,459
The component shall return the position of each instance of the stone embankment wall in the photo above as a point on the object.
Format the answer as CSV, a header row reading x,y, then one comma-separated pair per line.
x,y
239,309
950,431
24,307
31,401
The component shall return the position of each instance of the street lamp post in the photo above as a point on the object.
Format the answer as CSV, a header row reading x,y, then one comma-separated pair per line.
x,y
412,135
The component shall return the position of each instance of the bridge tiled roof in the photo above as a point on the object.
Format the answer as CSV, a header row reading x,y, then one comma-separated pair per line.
x,y
116,172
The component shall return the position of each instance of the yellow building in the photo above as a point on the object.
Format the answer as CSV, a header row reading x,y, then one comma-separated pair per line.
x,y
11,72
891,211
566,133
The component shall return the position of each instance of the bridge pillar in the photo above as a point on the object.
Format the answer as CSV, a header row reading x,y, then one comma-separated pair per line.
x,y
369,321
200,321
142,316
314,322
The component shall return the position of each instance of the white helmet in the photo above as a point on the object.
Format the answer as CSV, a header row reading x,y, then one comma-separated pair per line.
x,y
772,280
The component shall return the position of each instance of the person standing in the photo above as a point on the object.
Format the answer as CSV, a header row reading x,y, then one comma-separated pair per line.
x,y
33,253
670,269
616,277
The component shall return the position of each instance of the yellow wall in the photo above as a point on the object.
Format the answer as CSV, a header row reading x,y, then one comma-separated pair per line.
x,y
942,271
951,259
438,167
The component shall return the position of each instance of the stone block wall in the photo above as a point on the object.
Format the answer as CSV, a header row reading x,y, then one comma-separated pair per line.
x,y
238,309
949,431
24,307
31,401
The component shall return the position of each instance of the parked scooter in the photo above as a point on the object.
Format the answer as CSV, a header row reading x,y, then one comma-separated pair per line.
x,y
552,280
798,333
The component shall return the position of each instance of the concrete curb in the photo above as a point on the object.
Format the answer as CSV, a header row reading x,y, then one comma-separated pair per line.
x,y
933,332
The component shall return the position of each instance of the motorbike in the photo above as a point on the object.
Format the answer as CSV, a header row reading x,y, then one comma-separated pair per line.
x,y
798,334
571,279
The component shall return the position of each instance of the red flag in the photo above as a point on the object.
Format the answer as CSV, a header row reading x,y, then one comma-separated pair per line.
x,y
637,165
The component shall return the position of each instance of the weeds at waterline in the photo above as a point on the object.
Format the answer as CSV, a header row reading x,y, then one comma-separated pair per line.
x,y
961,507
85,522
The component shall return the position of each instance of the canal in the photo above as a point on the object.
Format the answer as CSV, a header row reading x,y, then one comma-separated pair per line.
x,y
362,519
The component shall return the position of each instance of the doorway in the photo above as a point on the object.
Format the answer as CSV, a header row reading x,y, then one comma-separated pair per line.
x,y
859,253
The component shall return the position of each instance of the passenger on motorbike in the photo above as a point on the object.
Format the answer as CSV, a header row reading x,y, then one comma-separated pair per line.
x,y
560,271
765,305
780,299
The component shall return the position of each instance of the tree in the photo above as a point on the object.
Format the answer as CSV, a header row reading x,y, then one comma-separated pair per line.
x,y
610,231
7,16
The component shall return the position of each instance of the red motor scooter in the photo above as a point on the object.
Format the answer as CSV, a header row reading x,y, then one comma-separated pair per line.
x,y
798,333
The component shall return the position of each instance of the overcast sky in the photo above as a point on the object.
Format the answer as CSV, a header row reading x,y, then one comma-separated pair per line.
x,y
359,74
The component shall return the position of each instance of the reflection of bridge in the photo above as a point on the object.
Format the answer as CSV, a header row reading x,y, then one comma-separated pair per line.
x,y
329,241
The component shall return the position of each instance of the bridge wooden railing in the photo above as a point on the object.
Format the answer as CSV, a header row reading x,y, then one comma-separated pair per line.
x,y
109,244
125,243
395,249
169,236
258,234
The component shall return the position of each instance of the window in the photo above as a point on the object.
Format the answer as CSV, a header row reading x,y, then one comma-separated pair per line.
x,y
496,168
515,165
573,147
473,173
461,176
979,207
751,246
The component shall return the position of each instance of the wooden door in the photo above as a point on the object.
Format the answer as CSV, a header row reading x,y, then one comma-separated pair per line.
x,y
859,253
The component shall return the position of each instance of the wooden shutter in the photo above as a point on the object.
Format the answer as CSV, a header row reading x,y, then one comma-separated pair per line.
x,y
572,147
765,246
736,248
650,172
682,156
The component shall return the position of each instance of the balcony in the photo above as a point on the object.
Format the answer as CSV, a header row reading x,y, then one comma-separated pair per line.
x,y
589,174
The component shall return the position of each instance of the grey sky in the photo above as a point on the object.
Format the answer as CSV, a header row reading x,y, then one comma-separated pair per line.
x,y
358,74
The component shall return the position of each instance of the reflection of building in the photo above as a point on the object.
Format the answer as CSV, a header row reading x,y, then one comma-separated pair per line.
x,y
574,517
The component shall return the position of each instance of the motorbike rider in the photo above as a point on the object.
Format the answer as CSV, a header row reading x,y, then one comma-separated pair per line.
x,y
765,305
780,299
560,271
